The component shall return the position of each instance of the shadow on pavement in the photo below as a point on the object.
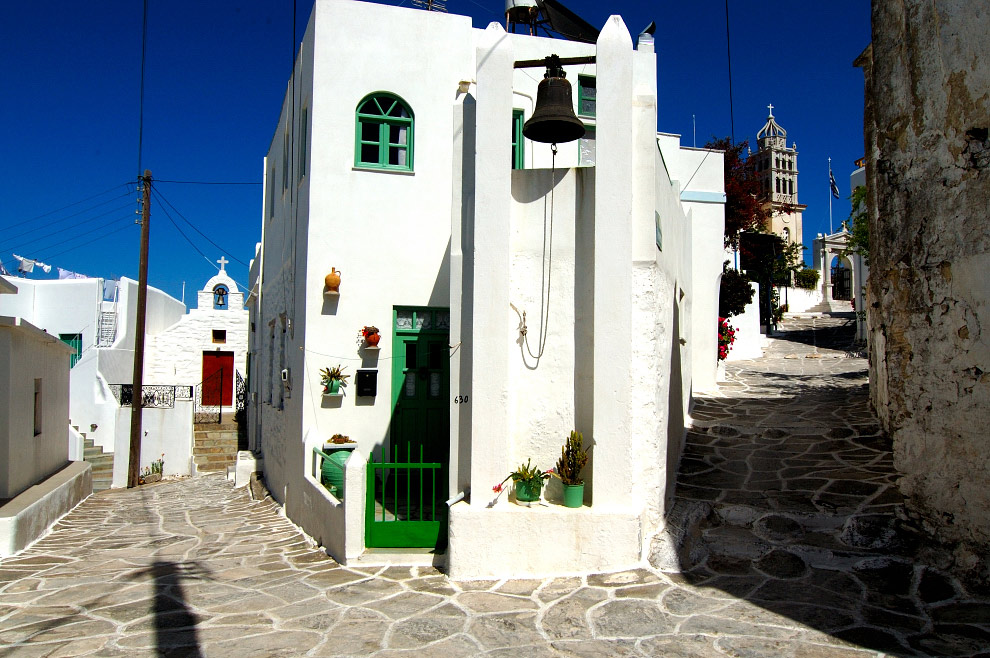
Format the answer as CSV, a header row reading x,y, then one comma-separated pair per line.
x,y
791,489
174,623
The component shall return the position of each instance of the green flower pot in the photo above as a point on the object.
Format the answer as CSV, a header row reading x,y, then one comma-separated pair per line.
x,y
574,495
528,491
332,472
334,387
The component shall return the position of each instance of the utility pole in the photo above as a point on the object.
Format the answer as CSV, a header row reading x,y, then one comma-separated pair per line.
x,y
137,399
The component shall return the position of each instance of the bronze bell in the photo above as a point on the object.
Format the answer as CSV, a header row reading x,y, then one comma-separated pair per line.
x,y
553,120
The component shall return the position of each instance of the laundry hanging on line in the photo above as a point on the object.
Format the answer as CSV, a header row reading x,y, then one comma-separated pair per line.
x,y
69,274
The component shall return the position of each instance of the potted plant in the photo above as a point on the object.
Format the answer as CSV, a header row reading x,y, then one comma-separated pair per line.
x,y
153,473
572,459
528,482
333,379
371,335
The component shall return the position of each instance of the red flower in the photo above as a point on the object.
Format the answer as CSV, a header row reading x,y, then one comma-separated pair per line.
x,y
497,488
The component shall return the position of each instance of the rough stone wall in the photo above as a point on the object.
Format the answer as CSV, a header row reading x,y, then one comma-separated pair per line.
x,y
927,117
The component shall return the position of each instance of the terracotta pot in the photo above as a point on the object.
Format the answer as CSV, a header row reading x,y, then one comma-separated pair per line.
x,y
373,339
332,280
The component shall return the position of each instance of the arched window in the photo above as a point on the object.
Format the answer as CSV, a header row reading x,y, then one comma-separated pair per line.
x,y
220,293
786,234
384,133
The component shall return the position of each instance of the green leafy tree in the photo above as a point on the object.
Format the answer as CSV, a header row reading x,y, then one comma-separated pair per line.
x,y
744,202
858,225
735,292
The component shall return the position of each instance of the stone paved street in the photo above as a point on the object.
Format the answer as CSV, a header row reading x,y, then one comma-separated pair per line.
x,y
790,545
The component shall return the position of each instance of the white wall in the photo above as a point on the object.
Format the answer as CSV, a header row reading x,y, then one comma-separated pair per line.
x,y
29,355
168,431
749,341
800,300
67,306
175,356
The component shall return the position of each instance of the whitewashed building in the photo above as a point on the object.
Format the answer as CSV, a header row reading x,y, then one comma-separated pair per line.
x,y
38,484
206,346
97,318
392,163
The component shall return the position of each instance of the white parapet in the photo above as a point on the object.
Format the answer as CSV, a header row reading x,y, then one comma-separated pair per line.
x,y
509,540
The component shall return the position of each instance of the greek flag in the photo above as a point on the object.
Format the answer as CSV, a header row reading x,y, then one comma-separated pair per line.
x,y
831,182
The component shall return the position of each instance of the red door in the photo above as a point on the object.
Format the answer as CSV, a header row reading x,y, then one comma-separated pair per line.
x,y
218,378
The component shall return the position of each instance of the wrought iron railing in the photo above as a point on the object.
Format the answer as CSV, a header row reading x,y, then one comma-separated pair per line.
x,y
240,388
209,396
209,407
155,396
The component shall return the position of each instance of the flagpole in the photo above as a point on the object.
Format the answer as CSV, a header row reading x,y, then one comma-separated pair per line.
x,y
830,230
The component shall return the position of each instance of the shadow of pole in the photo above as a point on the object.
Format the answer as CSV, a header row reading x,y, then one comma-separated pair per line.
x,y
175,623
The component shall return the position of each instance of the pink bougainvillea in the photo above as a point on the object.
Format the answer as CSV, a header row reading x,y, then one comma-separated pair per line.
x,y
726,337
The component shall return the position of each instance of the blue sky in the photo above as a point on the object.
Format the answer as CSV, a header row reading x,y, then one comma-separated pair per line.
x,y
216,74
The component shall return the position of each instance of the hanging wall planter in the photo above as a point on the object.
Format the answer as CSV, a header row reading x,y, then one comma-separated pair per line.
x,y
371,336
333,380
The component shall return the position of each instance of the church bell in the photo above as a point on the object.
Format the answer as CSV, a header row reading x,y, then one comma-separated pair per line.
x,y
553,120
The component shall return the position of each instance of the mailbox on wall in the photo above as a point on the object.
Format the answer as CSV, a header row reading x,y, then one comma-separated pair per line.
x,y
366,382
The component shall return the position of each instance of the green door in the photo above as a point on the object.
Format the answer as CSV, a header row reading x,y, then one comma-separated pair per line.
x,y
75,342
407,486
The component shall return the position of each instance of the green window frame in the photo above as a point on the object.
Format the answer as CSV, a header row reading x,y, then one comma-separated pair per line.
x,y
587,93
384,132
518,143
75,342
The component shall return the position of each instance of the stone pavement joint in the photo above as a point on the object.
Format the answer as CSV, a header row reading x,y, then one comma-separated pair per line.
x,y
791,546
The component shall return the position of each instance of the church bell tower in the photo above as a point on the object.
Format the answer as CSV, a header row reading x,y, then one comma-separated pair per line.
x,y
776,166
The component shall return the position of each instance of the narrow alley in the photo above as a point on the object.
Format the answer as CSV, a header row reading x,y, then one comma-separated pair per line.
x,y
787,540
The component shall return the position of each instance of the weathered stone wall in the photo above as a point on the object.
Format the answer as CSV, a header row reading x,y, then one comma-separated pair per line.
x,y
927,115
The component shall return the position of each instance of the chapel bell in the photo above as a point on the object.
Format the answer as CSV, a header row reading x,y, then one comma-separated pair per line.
x,y
553,120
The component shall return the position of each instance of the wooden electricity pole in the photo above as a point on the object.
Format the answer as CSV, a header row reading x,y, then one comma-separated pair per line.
x,y
134,460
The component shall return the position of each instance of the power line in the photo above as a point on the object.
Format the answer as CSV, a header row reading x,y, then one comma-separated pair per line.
x,y
144,51
59,221
76,203
47,256
208,182
161,197
191,243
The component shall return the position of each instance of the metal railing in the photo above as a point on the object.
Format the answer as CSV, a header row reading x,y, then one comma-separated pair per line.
x,y
155,396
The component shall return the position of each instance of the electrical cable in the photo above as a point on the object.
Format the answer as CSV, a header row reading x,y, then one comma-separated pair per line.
x,y
192,244
207,182
144,51
52,212
161,197
65,251
7,245
46,256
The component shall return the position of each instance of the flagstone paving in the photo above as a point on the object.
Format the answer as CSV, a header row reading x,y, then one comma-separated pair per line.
x,y
790,547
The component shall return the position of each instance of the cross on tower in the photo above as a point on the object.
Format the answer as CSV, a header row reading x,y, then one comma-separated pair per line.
x,y
223,261
771,108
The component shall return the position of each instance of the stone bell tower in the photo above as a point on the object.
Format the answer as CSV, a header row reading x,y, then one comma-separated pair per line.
x,y
776,166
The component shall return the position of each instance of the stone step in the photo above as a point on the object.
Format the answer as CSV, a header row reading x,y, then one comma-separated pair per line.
x,y
212,434
208,468
216,441
217,458
101,462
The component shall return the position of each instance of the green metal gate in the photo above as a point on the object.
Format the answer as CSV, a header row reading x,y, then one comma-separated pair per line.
x,y
407,486
406,502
